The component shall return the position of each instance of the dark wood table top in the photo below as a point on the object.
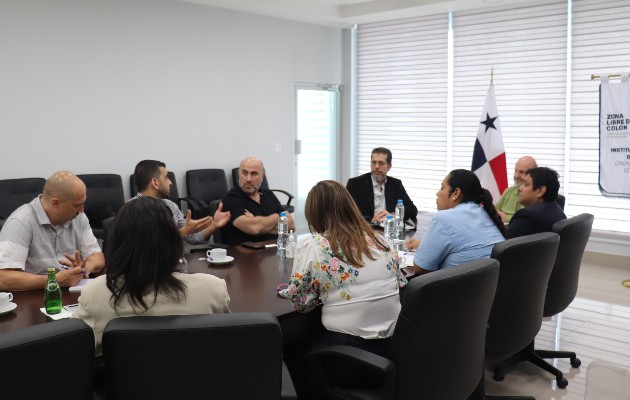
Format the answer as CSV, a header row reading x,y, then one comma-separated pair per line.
x,y
251,280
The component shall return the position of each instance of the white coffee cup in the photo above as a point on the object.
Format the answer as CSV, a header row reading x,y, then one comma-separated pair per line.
x,y
5,299
217,255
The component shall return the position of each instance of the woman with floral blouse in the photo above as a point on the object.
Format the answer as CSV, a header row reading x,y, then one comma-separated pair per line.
x,y
349,268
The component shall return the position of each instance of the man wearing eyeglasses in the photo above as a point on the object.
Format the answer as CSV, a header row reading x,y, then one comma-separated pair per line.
x,y
376,194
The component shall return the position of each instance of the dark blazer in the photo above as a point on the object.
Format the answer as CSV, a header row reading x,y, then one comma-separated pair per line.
x,y
535,219
362,192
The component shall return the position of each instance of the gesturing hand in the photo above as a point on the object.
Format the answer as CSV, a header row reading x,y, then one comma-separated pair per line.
x,y
221,218
195,225
73,262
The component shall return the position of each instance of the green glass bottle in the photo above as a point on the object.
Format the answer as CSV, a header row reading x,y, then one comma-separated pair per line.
x,y
52,293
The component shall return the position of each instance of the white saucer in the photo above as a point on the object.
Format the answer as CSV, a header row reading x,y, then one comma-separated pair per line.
x,y
7,310
228,259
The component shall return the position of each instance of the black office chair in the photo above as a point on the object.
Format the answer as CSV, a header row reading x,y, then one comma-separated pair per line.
x,y
265,185
438,344
107,225
17,192
105,196
38,359
517,311
174,192
563,283
560,200
212,356
204,186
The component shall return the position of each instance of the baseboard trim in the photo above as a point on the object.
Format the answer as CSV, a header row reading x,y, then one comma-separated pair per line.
x,y
611,243
606,259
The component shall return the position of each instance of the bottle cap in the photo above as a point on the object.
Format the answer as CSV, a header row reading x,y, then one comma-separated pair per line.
x,y
283,214
399,201
51,269
390,216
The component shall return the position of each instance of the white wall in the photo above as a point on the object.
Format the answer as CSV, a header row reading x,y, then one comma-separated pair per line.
x,y
94,86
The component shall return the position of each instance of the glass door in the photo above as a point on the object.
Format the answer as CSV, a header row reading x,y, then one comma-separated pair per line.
x,y
317,119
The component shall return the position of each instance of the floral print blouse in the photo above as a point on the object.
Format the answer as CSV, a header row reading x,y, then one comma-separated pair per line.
x,y
362,301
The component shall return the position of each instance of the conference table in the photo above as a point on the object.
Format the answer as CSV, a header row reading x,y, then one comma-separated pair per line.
x,y
251,281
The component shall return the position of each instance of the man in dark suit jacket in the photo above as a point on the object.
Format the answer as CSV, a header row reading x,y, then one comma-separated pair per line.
x,y
538,194
376,194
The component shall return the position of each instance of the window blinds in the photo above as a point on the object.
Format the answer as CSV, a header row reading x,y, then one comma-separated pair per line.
x,y
402,94
401,100
527,48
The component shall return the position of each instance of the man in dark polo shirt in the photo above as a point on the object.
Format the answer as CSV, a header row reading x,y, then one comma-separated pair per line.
x,y
255,212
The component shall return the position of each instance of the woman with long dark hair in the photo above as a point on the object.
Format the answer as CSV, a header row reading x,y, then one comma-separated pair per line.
x,y
142,278
349,268
465,228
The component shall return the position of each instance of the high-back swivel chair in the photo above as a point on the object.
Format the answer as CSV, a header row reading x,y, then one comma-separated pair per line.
x,y
561,200
105,195
204,186
209,356
563,282
517,311
17,192
438,344
52,361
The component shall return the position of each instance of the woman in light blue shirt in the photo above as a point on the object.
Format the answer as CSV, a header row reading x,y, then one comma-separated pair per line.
x,y
465,228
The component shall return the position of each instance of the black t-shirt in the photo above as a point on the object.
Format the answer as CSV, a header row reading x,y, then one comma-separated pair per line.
x,y
236,202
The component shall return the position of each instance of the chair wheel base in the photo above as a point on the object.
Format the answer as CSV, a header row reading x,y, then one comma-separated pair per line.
x,y
498,376
562,382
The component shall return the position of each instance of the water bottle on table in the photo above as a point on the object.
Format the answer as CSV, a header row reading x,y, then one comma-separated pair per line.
x,y
390,230
400,220
291,245
283,233
52,293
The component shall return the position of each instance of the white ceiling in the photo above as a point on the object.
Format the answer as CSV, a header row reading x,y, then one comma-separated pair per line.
x,y
346,13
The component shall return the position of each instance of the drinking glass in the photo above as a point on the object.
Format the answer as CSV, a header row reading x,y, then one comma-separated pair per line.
x,y
183,266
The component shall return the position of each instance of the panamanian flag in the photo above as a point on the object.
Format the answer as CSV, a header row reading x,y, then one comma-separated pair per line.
x,y
488,161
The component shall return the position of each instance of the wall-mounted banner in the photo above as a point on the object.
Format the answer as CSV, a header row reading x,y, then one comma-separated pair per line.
x,y
614,137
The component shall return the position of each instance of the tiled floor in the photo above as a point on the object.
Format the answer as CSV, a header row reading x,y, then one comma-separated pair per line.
x,y
597,327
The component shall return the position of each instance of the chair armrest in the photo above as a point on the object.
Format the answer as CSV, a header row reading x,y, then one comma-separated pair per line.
x,y
358,357
196,203
181,200
197,206
355,355
284,192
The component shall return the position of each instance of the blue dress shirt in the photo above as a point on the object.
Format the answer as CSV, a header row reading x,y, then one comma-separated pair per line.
x,y
456,236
